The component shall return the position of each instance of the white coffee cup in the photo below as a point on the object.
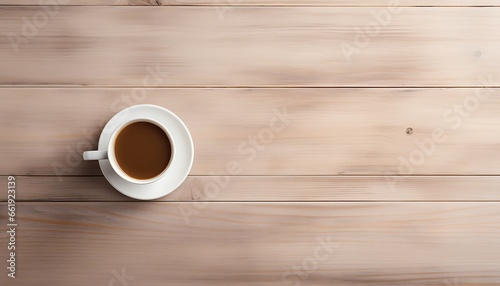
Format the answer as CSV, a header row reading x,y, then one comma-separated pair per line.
x,y
109,153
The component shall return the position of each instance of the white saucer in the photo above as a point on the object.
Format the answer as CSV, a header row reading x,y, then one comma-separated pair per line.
x,y
181,162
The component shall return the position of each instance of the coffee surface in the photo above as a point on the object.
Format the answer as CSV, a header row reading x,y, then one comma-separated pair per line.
x,y
143,150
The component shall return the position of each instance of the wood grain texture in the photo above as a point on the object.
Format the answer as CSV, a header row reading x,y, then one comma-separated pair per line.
x,y
195,46
271,188
255,244
90,2
338,3
325,132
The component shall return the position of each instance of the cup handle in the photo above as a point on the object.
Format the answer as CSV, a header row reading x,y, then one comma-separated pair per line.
x,y
95,155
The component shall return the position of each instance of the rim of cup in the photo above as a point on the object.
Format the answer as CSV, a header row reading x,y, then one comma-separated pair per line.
x,y
114,163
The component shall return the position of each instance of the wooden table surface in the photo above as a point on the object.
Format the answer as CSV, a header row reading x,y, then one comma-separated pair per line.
x,y
336,142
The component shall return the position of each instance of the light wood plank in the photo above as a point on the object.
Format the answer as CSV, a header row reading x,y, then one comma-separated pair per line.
x,y
272,188
195,46
94,2
329,131
255,244
338,3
